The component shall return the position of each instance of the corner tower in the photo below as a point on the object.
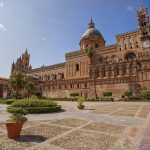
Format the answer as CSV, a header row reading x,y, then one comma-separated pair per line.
x,y
92,37
144,26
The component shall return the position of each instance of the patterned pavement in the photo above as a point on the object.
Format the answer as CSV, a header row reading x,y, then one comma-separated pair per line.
x,y
101,126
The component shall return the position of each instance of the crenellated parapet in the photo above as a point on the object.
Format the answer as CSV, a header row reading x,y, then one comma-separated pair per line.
x,y
127,33
51,67
111,45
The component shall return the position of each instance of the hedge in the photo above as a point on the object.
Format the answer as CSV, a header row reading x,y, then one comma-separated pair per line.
x,y
128,93
36,110
8,102
3,101
35,106
26,103
63,99
107,94
74,94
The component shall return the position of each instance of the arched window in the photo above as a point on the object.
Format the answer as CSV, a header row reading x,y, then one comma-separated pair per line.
x,y
116,69
77,67
103,72
109,71
130,56
123,69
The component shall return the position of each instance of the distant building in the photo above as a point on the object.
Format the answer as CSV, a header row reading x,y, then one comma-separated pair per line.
x,y
118,68
22,63
3,87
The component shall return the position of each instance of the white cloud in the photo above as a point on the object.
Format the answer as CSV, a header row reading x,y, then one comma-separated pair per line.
x,y
129,8
1,4
43,38
2,28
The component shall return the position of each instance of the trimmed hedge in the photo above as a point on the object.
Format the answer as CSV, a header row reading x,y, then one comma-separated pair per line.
x,y
107,94
34,106
8,102
35,110
3,101
63,99
74,94
38,110
26,103
128,93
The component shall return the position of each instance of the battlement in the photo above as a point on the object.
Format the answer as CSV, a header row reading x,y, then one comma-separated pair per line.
x,y
60,65
127,33
73,53
110,46
2,78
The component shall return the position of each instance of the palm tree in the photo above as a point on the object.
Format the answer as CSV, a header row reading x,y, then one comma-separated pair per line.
x,y
17,82
30,88
90,53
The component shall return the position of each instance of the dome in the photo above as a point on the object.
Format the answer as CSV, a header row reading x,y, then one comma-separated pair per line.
x,y
91,30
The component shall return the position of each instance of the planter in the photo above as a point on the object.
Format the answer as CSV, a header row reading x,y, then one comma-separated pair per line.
x,y
14,129
80,106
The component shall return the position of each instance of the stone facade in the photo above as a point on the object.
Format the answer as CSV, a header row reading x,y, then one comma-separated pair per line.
x,y
22,63
117,68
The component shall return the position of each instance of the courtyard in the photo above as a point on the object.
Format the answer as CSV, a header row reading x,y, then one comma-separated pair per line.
x,y
100,126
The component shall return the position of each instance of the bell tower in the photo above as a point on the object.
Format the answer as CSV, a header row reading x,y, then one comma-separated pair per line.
x,y
144,26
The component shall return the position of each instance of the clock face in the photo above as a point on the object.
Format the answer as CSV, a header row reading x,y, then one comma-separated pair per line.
x,y
146,44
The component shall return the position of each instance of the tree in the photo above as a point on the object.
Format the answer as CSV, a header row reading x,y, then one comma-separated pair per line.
x,y
17,82
90,53
30,88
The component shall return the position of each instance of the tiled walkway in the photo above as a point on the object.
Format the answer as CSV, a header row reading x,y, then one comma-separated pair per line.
x,y
145,143
101,126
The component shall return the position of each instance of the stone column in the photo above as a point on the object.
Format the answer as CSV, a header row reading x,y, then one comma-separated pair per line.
x,y
134,68
128,69
106,72
120,70
112,72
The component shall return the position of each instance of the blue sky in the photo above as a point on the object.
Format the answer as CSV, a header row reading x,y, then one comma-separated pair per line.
x,y
50,28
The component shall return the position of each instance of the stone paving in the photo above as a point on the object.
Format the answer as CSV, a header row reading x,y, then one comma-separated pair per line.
x,y
101,126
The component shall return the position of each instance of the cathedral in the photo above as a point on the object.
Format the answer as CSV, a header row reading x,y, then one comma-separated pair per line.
x,y
121,67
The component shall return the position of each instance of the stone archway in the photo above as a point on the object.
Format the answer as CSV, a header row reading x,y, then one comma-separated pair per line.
x,y
130,56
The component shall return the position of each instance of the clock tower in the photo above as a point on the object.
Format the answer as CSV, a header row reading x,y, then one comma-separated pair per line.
x,y
144,26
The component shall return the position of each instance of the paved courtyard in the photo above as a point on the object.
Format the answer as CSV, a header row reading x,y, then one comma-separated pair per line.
x,y
101,126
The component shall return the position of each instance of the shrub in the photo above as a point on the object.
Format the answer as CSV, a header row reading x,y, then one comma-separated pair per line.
x,y
17,114
34,97
35,110
145,93
7,101
38,94
37,106
3,101
74,94
10,101
64,99
34,103
128,93
80,101
107,94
